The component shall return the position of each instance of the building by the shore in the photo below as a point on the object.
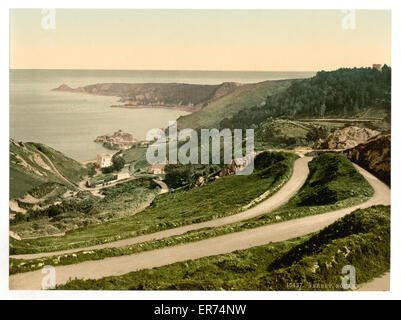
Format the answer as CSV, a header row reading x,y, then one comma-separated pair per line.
x,y
104,160
157,168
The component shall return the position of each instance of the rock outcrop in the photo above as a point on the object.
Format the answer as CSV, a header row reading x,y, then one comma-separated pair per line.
x,y
119,140
374,156
237,165
346,138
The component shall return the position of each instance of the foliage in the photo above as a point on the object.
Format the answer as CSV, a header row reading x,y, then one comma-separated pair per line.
x,y
344,93
118,163
84,209
178,175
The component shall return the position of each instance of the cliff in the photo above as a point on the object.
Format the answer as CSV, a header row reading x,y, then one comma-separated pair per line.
x,y
346,138
374,156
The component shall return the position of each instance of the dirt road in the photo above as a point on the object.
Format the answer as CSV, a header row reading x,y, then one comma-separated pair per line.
x,y
209,247
296,181
378,284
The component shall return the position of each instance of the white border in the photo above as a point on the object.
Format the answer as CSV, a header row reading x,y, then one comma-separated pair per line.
x,y
180,295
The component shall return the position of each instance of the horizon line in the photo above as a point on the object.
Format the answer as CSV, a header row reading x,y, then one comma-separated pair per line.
x,y
198,70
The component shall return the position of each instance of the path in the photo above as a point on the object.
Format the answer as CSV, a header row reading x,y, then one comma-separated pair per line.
x,y
223,244
378,284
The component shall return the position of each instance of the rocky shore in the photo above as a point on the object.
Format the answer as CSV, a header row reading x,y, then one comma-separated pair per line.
x,y
120,140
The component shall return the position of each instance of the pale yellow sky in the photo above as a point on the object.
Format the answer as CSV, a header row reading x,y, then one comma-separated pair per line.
x,y
270,40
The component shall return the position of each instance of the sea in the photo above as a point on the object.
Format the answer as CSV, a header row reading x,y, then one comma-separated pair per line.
x,y
69,122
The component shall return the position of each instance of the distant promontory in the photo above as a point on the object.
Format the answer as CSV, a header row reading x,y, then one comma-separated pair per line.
x,y
188,97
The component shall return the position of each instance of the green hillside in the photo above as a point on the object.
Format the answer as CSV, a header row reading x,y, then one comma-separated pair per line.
x,y
244,97
31,164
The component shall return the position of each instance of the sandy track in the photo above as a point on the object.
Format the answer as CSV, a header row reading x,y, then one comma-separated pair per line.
x,y
56,170
219,245
296,181
378,284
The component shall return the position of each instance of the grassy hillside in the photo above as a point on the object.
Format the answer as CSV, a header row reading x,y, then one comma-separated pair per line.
x,y
361,239
332,179
84,209
225,196
242,98
30,167
354,187
356,191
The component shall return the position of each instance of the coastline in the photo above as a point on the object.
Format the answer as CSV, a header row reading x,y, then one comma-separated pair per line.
x,y
178,108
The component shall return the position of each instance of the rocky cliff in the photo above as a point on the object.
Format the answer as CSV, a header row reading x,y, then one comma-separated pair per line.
x,y
374,155
346,138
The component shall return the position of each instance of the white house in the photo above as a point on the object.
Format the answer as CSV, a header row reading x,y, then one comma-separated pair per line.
x,y
104,160
157,168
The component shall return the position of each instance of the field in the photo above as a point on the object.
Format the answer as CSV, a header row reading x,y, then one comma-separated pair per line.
x,y
313,262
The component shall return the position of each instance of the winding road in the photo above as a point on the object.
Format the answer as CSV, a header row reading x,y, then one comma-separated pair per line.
x,y
219,245
300,173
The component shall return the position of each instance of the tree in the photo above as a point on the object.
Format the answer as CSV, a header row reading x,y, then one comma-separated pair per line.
x,y
118,162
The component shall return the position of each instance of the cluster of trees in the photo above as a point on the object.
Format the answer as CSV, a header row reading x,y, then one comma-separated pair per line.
x,y
343,92
118,163
179,175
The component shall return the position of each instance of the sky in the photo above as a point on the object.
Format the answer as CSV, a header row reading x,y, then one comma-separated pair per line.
x,y
254,40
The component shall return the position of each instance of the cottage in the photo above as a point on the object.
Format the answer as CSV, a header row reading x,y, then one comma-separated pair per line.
x,y
157,168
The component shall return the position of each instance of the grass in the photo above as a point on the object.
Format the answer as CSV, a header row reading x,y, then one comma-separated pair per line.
x,y
225,196
26,173
84,209
69,168
346,173
312,262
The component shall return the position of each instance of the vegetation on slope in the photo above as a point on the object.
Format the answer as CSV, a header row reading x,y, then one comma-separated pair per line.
x,y
345,175
29,167
343,93
360,239
225,196
242,98
84,209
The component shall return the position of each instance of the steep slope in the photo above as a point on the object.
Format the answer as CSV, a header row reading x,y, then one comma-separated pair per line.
x,y
32,164
374,155
246,96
